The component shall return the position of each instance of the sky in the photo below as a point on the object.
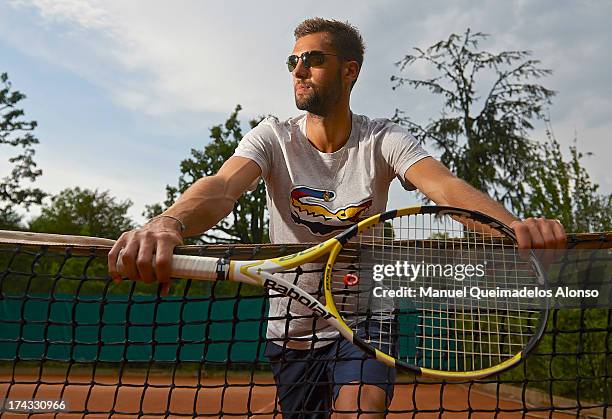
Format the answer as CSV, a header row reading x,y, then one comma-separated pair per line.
x,y
123,90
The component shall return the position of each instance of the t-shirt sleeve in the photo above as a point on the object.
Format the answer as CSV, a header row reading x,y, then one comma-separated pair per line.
x,y
258,145
401,150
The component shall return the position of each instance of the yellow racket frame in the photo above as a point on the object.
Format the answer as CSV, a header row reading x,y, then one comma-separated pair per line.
x,y
260,272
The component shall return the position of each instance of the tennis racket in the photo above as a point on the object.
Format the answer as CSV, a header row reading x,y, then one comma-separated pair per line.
x,y
442,328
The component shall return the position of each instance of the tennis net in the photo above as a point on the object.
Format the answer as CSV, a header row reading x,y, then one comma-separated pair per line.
x,y
75,344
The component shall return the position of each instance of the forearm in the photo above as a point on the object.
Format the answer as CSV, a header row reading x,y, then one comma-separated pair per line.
x,y
444,188
203,205
458,193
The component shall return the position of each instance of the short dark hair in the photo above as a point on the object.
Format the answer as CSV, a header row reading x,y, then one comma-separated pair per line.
x,y
345,38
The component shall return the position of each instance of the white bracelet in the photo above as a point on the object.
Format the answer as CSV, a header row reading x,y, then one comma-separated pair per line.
x,y
183,227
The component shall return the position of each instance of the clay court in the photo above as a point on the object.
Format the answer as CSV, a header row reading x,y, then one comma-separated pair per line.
x,y
239,397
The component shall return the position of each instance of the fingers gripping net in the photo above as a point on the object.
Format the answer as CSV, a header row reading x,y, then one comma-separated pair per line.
x,y
69,334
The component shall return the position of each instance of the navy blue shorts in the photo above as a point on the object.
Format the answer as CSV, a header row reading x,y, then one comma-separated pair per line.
x,y
309,380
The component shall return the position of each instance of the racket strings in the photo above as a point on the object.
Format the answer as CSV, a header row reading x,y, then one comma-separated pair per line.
x,y
448,333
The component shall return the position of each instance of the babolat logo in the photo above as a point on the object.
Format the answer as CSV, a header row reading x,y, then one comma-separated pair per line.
x,y
309,302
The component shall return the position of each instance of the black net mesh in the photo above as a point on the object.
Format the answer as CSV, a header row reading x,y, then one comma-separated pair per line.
x,y
73,343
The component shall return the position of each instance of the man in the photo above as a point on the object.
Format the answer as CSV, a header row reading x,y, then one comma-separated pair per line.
x,y
323,171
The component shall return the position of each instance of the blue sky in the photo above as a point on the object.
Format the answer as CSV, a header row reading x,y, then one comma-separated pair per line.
x,y
122,90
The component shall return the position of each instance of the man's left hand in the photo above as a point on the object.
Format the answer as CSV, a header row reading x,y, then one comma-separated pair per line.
x,y
539,233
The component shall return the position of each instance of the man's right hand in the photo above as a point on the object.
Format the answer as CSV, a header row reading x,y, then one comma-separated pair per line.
x,y
210,197
145,253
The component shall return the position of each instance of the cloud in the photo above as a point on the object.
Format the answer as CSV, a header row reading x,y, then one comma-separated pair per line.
x,y
88,15
164,59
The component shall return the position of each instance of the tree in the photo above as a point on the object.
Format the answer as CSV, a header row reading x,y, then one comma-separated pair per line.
x,y
84,212
483,141
248,221
10,219
563,189
16,132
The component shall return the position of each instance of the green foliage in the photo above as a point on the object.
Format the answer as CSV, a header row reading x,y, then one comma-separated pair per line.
x,y
79,212
248,221
10,219
388,231
84,212
563,189
483,137
15,132
573,353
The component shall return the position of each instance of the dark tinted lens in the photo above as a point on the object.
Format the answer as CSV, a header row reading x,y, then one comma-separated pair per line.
x,y
313,58
292,62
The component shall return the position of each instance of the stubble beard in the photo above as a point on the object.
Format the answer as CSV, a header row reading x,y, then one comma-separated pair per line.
x,y
319,101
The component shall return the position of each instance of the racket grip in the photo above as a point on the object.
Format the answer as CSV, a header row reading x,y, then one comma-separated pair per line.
x,y
195,267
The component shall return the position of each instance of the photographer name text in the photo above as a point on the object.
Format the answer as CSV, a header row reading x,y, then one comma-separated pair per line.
x,y
481,293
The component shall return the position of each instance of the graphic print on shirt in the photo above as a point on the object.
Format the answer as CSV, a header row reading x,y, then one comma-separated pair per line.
x,y
311,208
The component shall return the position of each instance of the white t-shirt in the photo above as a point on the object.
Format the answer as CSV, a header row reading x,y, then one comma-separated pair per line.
x,y
312,196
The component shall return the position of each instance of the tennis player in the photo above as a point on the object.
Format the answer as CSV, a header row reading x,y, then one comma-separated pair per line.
x,y
324,170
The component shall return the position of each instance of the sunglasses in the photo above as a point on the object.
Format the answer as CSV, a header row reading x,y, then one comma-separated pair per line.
x,y
309,59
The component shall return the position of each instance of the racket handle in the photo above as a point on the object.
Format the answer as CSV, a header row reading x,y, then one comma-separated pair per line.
x,y
197,267
194,267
